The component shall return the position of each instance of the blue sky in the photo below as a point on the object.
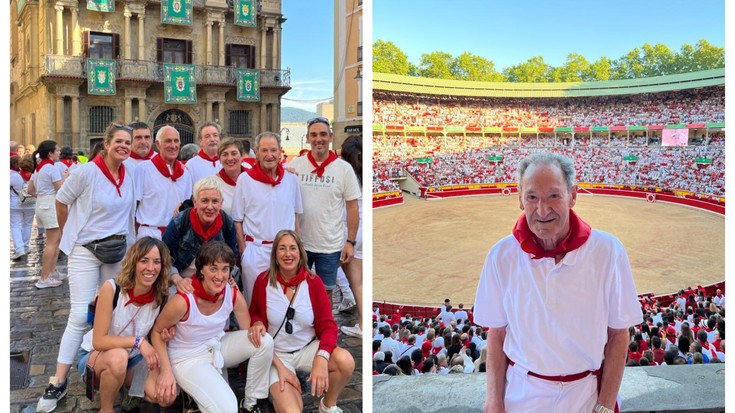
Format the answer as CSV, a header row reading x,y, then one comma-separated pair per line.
x,y
511,32
308,49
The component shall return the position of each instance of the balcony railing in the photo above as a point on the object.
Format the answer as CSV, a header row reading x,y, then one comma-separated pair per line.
x,y
75,66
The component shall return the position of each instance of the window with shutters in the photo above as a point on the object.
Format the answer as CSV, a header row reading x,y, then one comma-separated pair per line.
x,y
239,122
175,51
239,55
99,118
101,45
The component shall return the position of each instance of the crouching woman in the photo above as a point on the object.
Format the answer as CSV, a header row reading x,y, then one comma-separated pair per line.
x,y
201,350
126,309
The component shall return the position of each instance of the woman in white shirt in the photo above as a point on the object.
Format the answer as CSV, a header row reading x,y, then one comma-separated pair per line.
x,y
46,180
21,215
95,207
230,156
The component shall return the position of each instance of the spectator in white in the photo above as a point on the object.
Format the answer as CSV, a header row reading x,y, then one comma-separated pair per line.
x,y
161,185
409,347
388,343
142,146
461,314
266,200
441,368
447,316
230,156
206,162
681,301
550,243
21,215
328,186
719,299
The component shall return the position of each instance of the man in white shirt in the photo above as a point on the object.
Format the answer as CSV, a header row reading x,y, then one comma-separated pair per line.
x,y
161,185
142,146
328,186
447,316
552,266
461,314
389,344
206,162
267,199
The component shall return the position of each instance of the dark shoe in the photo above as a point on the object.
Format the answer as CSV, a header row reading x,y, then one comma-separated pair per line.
x,y
51,397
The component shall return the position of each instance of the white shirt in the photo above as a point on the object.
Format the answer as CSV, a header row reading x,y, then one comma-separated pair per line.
x,y
461,315
388,344
572,302
131,163
17,183
157,195
200,168
322,228
228,194
44,180
302,323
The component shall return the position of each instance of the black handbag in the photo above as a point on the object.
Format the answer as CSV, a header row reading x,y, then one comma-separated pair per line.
x,y
108,250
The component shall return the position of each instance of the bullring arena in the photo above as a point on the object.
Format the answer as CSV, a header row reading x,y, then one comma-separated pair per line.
x,y
427,250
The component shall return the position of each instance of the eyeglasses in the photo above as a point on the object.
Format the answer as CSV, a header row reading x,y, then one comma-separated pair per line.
x,y
317,120
124,127
289,317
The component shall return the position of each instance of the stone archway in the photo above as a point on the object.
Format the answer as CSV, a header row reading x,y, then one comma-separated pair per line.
x,y
179,120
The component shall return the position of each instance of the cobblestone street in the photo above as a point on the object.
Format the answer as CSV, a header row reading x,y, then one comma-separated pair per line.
x,y
37,321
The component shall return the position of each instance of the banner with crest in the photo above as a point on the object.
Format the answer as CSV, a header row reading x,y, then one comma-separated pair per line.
x,y
248,85
176,12
245,11
179,83
107,6
101,77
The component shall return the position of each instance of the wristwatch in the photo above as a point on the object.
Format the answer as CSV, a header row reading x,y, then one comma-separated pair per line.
x,y
323,353
602,409
351,241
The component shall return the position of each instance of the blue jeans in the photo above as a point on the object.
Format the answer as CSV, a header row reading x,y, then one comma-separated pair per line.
x,y
326,266
83,357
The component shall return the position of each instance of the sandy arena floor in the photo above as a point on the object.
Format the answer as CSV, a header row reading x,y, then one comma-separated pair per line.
x,y
426,251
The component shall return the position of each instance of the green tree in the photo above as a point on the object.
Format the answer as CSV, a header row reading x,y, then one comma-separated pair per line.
x,y
683,60
705,56
389,58
468,66
601,69
575,69
657,60
436,65
534,70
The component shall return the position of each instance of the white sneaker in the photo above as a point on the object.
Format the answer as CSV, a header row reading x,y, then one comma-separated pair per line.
x,y
50,399
325,409
346,306
18,255
57,275
48,282
355,331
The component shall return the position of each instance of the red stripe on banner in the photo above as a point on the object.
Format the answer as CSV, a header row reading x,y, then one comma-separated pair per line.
x,y
394,127
435,128
582,129
697,126
545,129
655,127
619,128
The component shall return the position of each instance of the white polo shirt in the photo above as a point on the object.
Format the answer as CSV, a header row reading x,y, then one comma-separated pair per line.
x,y
158,195
322,227
44,179
228,194
200,168
557,315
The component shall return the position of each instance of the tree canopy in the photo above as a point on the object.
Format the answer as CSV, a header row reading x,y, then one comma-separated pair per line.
x,y
644,61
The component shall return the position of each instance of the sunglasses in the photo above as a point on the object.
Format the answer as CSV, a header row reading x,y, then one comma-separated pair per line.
x,y
289,317
124,127
317,120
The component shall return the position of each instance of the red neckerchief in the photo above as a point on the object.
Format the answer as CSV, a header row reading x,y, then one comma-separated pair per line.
x,y
200,292
68,162
294,281
196,225
319,171
257,173
142,299
249,161
162,167
226,178
142,158
203,155
100,162
43,162
13,154
15,168
26,175
579,232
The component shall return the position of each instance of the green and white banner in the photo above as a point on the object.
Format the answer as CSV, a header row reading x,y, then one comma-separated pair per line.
x,y
245,13
107,6
179,83
248,85
176,12
101,77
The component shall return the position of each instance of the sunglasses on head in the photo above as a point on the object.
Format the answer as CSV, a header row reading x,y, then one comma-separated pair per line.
x,y
289,317
317,120
124,127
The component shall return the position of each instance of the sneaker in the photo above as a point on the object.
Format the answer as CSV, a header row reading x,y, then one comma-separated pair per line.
x,y
51,396
355,331
57,275
48,282
130,403
325,409
346,306
18,255
249,409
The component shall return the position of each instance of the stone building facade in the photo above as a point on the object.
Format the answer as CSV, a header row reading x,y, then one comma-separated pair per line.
x,y
348,71
51,41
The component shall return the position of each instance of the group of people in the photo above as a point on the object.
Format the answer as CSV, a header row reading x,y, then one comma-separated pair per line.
x,y
671,107
171,251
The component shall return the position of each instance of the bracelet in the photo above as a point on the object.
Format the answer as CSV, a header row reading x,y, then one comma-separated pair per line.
x,y
138,340
602,409
323,353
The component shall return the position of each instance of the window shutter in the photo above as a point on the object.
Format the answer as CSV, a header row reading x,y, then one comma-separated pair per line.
x,y
228,55
85,43
189,52
251,57
115,46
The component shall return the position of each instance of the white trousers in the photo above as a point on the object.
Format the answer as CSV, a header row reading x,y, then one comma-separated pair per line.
x,y
255,259
86,275
146,231
21,224
528,394
198,376
344,285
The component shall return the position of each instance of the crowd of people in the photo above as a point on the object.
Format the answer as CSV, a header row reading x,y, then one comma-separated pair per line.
x,y
251,246
663,108
689,330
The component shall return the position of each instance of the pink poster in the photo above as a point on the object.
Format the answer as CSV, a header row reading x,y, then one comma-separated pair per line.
x,y
675,137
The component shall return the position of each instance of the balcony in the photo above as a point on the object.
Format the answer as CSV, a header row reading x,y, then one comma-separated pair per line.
x,y
139,70
63,66
268,77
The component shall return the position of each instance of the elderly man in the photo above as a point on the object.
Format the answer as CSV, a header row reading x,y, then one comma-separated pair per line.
x,y
328,185
142,146
577,284
267,200
14,149
194,227
206,163
161,185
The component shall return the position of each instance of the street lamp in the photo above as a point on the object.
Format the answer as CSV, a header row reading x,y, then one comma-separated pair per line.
x,y
284,130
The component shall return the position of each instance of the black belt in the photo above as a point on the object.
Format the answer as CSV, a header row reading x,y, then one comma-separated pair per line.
x,y
110,238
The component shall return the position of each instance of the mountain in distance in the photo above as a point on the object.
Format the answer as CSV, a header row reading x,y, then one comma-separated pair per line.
x,y
289,114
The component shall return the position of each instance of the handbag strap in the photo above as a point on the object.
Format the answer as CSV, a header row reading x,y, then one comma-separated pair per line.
x,y
286,315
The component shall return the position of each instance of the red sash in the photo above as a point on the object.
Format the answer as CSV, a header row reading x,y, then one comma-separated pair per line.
x,y
162,167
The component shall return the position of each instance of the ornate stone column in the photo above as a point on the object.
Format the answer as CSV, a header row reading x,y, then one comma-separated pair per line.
x,y
59,119
263,35
221,114
141,36
75,33
75,122
128,110
208,28
59,29
276,47
221,60
208,112
141,110
126,38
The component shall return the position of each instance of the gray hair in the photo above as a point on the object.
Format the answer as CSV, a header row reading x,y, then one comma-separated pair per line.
x,y
159,134
188,151
206,183
206,124
264,135
548,158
